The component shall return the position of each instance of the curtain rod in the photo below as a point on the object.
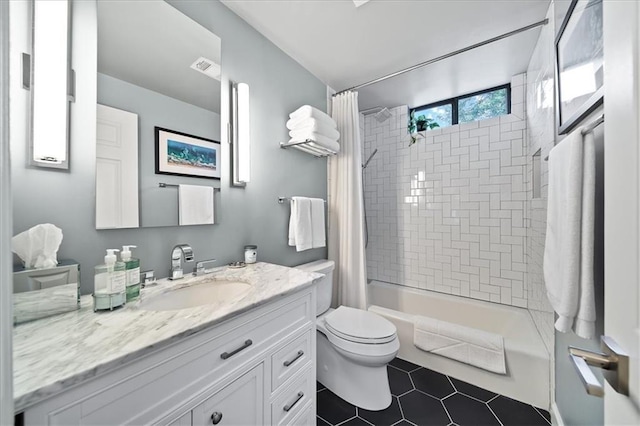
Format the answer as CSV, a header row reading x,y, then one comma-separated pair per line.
x,y
448,55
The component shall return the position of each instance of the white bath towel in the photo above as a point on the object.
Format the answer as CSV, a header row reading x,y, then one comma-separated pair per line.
x,y
318,139
469,345
195,204
312,125
569,245
300,230
317,223
307,111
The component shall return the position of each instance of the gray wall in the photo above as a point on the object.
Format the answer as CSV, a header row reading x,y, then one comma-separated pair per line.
x,y
158,206
278,86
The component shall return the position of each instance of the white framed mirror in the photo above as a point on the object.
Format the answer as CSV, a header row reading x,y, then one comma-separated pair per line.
x,y
162,66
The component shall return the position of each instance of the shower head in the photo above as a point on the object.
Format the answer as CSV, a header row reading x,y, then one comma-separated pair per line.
x,y
366,163
383,115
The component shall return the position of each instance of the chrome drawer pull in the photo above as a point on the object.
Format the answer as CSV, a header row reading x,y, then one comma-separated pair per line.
x,y
216,417
226,355
288,363
290,406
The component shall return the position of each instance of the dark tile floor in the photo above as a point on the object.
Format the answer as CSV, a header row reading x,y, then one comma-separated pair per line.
x,y
423,397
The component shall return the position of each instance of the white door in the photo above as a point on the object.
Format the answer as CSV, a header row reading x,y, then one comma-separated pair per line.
x,y
116,169
622,199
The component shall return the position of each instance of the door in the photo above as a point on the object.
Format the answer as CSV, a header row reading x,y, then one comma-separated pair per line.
x,y
622,199
116,169
239,403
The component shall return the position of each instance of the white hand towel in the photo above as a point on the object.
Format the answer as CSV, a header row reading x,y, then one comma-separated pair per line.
x,y
317,223
300,231
469,345
313,125
568,255
195,204
307,111
319,140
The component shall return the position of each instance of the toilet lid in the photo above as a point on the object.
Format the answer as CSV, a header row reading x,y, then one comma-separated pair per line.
x,y
360,326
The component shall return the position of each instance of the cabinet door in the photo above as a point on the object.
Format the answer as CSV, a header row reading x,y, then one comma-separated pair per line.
x,y
238,403
184,420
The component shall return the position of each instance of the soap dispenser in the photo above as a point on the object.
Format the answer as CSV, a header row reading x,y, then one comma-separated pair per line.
x,y
132,270
109,283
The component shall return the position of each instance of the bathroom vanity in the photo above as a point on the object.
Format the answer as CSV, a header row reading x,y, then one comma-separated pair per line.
x,y
247,359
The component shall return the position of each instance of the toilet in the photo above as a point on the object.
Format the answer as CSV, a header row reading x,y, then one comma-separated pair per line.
x,y
353,347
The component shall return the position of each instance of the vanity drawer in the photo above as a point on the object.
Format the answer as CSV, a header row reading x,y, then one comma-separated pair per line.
x,y
307,417
290,359
293,398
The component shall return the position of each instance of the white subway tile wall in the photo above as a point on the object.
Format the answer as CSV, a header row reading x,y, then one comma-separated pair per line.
x,y
448,213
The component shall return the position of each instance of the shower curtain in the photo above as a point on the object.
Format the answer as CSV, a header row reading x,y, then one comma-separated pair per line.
x,y
346,209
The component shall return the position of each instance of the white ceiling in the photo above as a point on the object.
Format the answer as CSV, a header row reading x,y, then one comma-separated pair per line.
x,y
344,46
151,44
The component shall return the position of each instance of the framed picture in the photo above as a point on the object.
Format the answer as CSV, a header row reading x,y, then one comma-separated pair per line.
x,y
186,155
579,63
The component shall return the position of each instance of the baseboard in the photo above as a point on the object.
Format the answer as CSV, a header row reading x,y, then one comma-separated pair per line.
x,y
556,418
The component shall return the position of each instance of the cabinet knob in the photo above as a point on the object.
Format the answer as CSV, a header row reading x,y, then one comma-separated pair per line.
x,y
216,417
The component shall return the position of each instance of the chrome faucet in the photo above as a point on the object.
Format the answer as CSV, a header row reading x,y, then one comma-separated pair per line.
x,y
176,260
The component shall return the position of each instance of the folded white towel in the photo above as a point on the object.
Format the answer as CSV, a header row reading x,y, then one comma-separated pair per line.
x,y
313,125
568,254
307,111
318,139
469,345
195,204
317,223
300,231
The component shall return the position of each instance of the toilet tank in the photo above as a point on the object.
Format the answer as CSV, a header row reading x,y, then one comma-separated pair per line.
x,y
324,287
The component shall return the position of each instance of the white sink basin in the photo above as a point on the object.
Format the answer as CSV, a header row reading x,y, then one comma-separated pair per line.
x,y
206,293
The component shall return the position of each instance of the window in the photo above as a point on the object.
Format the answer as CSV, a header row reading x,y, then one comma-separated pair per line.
x,y
476,106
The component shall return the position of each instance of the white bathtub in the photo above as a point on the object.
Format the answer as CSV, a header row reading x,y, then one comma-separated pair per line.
x,y
527,377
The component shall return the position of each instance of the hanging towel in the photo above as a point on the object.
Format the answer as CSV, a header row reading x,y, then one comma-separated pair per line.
x,y
469,345
195,204
319,140
313,125
300,230
317,223
307,111
568,254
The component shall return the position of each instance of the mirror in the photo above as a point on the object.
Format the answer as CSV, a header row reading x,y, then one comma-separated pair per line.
x,y
159,69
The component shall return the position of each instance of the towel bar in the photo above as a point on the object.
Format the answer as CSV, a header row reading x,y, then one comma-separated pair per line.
x,y
281,200
173,185
590,128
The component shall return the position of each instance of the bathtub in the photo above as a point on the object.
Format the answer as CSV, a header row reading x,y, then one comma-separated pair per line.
x,y
527,359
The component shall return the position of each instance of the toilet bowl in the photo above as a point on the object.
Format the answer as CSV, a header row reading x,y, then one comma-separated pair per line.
x,y
353,347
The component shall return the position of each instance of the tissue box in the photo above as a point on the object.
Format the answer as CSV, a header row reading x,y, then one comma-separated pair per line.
x,y
40,293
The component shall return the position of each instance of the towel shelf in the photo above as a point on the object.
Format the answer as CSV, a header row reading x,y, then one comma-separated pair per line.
x,y
316,149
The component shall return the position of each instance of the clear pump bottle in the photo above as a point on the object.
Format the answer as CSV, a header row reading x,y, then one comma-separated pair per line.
x,y
132,270
109,283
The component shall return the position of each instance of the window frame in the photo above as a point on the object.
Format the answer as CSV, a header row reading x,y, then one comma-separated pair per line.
x,y
454,102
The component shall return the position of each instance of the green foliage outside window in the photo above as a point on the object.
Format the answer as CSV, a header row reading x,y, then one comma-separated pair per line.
x,y
483,106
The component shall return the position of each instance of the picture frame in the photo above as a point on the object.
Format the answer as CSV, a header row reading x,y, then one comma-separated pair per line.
x,y
579,64
181,154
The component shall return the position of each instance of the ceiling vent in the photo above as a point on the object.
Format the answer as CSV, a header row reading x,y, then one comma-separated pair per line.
x,y
359,3
207,67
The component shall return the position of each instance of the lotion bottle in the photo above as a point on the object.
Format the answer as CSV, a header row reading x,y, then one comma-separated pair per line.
x,y
109,283
132,271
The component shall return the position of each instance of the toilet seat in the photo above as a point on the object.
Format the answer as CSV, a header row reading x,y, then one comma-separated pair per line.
x,y
359,326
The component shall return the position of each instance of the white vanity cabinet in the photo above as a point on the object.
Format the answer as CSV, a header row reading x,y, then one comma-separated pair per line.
x,y
255,368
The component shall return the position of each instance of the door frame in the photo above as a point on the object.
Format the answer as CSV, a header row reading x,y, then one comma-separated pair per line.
x,y
6,212
622,197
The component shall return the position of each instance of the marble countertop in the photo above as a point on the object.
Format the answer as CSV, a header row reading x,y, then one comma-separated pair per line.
x,y
52,354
